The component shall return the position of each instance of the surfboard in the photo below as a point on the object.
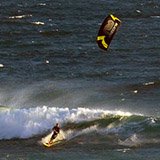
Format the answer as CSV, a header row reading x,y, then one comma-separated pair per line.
x,y
50,144
45,141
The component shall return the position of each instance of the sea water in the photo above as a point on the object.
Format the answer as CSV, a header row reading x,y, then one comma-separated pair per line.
x,y
51,70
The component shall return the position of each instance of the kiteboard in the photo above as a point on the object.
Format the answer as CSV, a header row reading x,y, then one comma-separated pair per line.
x,y
107,31
50,144
46,140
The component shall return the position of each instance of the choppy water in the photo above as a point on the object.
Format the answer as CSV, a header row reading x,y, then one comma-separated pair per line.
x,y
51,70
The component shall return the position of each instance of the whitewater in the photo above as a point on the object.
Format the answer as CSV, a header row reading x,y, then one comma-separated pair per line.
x,y
25,123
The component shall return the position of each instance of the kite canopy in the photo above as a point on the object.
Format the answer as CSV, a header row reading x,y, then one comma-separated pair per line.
x,y
107,31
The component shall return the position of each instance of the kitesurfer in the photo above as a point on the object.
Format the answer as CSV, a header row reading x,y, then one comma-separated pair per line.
x,y
55,132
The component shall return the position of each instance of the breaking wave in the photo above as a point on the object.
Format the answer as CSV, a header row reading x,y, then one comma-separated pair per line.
x,y
25,123
126,128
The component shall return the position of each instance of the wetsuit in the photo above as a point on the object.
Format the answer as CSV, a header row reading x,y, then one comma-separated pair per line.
x,y
55,130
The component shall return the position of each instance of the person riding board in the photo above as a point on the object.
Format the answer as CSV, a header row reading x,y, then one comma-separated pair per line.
x,y
55,131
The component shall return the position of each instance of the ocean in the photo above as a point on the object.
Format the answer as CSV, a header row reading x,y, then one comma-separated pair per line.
x,y
52,70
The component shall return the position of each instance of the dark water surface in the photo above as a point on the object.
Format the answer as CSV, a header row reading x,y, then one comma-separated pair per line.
x,y
51,69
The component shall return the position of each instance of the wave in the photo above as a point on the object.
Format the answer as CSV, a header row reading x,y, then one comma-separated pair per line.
x,y
130,130
24,123
81,125
124,127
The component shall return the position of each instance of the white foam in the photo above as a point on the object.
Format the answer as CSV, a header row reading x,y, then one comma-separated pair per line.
x,y
24,123
42,4
38,23
1,65
148,83
155,16
70,134
20,16
138,11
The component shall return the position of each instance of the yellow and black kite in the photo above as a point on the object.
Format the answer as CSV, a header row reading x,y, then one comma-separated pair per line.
x,y
107,30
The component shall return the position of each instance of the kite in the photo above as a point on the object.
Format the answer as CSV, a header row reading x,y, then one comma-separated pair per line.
x,y
107,31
